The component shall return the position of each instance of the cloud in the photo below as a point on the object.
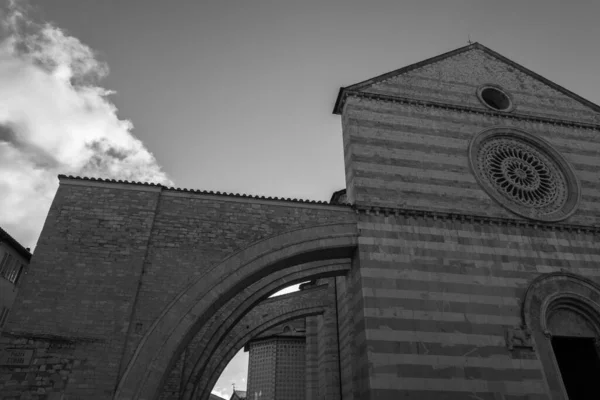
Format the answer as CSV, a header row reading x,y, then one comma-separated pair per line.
x,y
234,373
55,118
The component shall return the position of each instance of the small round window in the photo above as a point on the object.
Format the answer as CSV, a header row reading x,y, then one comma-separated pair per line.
x,y
494,98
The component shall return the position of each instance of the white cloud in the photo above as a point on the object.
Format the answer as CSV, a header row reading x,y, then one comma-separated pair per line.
x,y
234,373
54,118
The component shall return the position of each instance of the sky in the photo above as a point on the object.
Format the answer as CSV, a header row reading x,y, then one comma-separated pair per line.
x,y
232,96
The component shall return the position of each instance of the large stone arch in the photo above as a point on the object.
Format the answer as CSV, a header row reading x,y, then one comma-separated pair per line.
x,y
268,314
181,319
547,294
218,326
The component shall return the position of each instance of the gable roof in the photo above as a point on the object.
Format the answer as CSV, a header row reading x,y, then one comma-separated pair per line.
x,y
5,237
238,395
361,85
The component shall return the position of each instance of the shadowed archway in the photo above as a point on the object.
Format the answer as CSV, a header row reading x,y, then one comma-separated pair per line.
x,y
268,314
217,328
552,293
194,306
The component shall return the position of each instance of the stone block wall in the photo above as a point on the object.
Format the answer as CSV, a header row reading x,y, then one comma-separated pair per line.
x,y
52,369
193,233
439,296
82,281
455,80
112,256
328,363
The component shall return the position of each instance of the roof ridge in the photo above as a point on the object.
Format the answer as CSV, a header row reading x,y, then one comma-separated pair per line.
x,y
199,191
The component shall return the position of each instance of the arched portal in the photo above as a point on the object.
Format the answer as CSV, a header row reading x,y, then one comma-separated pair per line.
x,y
266,315
550,301
217,328
194,306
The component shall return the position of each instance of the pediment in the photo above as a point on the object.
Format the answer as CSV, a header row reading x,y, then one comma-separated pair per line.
x,y
454,78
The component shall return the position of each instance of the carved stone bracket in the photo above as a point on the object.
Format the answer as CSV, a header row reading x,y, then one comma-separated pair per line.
x,y
519,337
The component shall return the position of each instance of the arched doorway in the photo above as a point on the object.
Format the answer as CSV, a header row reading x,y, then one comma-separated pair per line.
x,y
562,313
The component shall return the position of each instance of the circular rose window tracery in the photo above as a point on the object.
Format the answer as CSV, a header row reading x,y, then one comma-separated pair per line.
x,y
524,174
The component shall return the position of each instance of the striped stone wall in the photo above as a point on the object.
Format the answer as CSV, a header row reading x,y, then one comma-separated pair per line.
x,y
438,296
412,156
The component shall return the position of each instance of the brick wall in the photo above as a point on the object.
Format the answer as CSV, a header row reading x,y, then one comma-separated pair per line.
x,y
192,233
84,276
112,255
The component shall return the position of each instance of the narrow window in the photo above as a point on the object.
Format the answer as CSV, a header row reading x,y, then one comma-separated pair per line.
x,y
6,269
579,366
18,268
3,263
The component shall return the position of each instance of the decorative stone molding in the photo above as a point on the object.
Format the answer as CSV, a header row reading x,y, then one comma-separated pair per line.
x,y
473,219
470,110
524,174
519,337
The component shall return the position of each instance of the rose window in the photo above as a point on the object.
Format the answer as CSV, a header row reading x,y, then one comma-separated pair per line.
x,y
524,174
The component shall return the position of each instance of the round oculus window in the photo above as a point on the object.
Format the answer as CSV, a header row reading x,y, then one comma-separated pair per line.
x,y
524,174
494,98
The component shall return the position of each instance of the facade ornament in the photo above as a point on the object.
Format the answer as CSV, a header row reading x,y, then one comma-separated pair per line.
x,y
524,174
518,337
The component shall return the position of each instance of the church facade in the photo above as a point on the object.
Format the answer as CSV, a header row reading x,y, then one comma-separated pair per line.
x,y
461,263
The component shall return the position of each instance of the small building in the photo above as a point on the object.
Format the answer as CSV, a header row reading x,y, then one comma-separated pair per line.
x,y
238,395
14,259
276,363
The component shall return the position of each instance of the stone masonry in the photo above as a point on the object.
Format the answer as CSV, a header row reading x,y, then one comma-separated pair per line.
x,y
440,289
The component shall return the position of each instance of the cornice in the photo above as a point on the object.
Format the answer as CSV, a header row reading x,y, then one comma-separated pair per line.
x,y
471,218
465,109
